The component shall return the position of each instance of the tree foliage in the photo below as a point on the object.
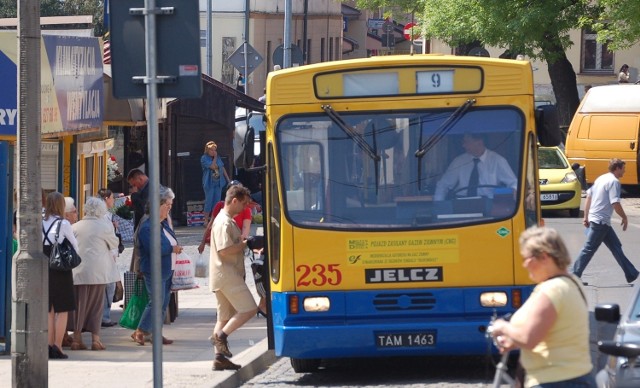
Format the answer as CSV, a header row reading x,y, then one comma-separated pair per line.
x,y
618,23
524,26
538,29
95,8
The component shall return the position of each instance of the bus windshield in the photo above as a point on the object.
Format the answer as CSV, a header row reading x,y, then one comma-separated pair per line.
x,y
371,170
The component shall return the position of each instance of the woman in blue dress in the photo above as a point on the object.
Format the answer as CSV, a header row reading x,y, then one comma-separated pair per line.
x,y
214,178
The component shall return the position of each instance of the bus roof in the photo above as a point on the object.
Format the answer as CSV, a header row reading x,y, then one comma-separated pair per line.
x,y
612,98
494,77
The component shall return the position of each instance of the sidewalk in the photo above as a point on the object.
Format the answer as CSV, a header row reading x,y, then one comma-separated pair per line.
x,y
187,362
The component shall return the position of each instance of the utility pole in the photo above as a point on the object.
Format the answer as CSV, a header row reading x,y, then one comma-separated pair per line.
x,y
209,32
305,49
30,292
247,16
286,54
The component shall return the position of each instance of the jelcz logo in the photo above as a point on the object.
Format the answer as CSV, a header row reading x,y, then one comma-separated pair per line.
x,y
403,275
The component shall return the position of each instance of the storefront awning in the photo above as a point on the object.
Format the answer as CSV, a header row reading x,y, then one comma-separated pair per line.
x,y
242,100
117,112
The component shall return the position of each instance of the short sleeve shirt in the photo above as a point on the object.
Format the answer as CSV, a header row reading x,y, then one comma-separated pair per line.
x,y
604,192
228,271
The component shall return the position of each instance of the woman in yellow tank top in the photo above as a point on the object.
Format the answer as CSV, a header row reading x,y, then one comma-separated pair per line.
x,y
552,328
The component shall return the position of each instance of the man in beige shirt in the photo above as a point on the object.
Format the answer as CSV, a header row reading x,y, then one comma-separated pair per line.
x,y
235,303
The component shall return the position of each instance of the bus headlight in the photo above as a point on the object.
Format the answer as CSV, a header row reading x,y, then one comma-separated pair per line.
x,y
316,304
493,299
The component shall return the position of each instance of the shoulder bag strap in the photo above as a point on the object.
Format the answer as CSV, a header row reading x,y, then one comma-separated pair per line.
x,y
574,282
46,233
58,230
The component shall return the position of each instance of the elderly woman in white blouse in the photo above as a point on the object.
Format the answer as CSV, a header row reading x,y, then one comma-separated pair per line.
x,y
96,238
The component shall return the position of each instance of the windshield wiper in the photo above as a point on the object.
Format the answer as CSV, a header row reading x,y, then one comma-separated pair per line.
x,y
444,128
349,131
357,138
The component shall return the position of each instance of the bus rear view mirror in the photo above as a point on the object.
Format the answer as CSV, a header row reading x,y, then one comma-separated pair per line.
x,y
547,126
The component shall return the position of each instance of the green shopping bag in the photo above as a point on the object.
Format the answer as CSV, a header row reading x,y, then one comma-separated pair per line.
x,y
138,302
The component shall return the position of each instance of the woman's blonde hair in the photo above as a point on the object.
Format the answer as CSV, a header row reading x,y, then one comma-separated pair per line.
x,y
54,205
210,144
537,240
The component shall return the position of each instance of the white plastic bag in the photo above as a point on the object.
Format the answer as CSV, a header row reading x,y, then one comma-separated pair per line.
x,y
184,273
202,266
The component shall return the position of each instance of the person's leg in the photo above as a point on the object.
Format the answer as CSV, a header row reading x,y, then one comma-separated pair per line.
x,y
219,338
166,295
224,313
209,202
51,333
217,194
242,301
595,236
78,318
145,321
60,328
612,242
109,291
262,305
165,303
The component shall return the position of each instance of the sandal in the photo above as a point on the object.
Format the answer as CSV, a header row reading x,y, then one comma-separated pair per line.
x,y
78,346
66,340
138,336
97,345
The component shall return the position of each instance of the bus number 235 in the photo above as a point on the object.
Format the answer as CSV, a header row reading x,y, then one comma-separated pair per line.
x,y
319,275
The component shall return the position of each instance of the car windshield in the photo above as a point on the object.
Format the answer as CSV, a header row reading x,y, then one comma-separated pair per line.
x,y
551,158
363,171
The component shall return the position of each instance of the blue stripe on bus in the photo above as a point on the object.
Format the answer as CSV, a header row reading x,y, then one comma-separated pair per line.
x,y
454,316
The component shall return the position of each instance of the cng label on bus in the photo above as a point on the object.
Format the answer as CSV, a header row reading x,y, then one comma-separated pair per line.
x,y
403,275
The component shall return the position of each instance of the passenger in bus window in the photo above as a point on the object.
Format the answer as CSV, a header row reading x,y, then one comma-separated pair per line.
x,y
477,172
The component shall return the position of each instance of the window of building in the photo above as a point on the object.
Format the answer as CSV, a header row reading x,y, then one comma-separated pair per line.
x,y
596,57
269,53
331,49
322,48
203,38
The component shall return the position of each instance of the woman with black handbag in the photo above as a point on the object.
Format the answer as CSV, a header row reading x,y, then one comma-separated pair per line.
x,y
61,294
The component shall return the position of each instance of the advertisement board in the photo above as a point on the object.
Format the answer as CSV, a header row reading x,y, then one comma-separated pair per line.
x,y
72,97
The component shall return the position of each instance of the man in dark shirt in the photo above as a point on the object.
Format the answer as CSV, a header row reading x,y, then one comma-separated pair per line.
x,y
140,181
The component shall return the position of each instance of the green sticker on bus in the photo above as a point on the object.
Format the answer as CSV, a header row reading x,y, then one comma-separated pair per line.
x,y
503,232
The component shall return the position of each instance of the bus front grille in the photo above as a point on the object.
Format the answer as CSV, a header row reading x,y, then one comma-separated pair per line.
x,y
405,301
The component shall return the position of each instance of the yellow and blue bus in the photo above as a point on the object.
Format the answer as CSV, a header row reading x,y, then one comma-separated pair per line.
x,y
371,250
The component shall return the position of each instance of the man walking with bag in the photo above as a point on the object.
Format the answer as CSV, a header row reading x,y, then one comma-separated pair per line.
x,y
235,303
602,199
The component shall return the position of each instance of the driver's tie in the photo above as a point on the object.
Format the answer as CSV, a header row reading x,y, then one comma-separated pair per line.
x,y
472,190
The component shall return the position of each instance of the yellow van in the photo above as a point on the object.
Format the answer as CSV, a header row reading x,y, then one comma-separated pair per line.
x,y
606,126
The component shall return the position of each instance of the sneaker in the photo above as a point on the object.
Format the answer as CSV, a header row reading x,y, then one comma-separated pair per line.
x,y
632,279
108,324
224,364
222,346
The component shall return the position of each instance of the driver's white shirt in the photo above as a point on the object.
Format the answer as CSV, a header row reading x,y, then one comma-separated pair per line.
x,y
493,171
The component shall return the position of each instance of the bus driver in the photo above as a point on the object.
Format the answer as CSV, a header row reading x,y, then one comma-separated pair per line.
x,y
476,172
